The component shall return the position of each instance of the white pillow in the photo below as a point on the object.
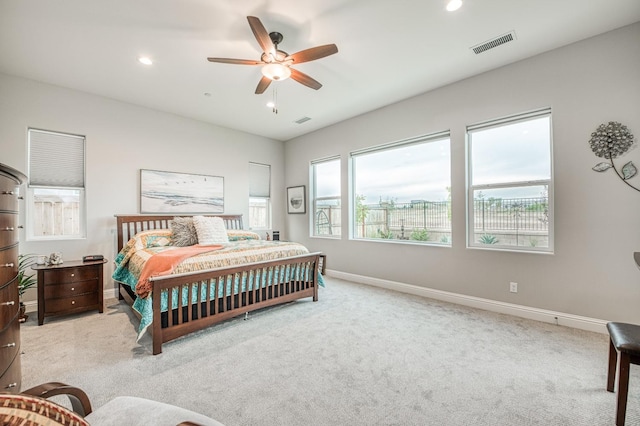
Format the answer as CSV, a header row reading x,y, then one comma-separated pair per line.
x,y
210,230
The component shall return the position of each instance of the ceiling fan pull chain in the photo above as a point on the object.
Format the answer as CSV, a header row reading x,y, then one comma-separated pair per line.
x,y
275,101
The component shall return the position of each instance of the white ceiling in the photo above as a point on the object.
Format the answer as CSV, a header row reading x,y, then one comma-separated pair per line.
x,y
388,50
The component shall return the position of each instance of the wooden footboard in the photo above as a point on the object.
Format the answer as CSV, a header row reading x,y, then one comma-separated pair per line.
x,y
210,297
205,298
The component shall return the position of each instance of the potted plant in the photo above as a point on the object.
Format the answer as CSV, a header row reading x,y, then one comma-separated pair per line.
x,y
25,281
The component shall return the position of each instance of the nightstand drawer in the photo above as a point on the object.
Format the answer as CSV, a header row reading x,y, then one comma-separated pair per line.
x,y
68,304
9,303
8,229
69,275
57,291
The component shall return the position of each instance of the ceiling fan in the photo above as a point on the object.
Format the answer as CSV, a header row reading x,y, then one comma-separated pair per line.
x,y
276,64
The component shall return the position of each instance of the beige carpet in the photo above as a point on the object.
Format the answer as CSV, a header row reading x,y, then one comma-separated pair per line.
x,y
359,356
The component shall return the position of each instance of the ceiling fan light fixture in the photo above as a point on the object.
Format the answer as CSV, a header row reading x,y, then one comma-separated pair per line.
x,y
276,72
453,5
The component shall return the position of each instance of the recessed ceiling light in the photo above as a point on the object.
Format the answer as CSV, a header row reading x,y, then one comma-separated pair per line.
x,y
454,5
271,104
145,60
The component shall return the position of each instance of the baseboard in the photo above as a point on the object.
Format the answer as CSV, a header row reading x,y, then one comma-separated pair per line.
x,y
553,317
112,293
32,306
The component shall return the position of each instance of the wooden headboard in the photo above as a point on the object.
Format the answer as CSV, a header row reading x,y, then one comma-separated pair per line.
x,y
130,225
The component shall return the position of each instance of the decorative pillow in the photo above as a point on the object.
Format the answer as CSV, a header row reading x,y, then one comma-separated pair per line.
x,y
152,238
31,411
240,235
158,241
210,230
183,232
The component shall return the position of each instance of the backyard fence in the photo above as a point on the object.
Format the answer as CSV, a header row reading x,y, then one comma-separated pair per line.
x,y
55,217
431,220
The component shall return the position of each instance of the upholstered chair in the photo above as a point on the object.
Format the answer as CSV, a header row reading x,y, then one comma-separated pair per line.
x,y
32,407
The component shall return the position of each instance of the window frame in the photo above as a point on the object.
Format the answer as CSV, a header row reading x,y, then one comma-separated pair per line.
x,y
472,189
419,140
313,178
260,195
31,189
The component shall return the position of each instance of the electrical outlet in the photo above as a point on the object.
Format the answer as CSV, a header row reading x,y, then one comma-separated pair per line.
x,y
513,287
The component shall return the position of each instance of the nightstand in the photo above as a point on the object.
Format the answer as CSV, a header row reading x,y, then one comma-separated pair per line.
x,y
69,288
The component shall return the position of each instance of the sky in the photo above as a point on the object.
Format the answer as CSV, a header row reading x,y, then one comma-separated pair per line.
x,y
514,153
414,172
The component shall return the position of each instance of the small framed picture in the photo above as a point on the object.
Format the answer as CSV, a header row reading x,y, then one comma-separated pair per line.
x,y
296,200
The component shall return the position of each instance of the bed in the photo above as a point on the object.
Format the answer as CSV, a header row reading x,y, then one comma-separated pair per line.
x,y
180,302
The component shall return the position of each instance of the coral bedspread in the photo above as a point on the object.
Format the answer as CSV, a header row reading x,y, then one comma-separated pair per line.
x,y
165,262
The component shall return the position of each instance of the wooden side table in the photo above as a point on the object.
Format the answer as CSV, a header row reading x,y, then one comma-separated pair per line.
x,y
70,287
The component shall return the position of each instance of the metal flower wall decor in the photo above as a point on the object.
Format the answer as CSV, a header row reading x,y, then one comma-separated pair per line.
x,y
609,141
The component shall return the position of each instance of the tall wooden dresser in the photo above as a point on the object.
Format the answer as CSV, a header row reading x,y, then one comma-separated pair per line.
x,y
11,377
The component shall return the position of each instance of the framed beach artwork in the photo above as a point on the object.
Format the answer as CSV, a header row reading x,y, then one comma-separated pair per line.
x,y
169,192
296,200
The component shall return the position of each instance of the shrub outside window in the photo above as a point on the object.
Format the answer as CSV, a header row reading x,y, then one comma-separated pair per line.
x,y
401,191
510,198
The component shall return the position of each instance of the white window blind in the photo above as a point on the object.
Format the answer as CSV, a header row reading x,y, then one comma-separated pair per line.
x,y
56,159
259,180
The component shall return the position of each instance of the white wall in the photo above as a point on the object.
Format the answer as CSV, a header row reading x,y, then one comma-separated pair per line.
x,y
592,272
121,139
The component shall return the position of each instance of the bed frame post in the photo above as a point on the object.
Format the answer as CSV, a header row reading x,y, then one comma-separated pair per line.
x,y
156,326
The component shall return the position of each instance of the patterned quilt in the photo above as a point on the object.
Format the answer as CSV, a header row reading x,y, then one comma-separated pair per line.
x,y
130,261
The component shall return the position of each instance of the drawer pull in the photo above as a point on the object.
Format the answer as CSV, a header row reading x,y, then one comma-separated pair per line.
x,y
8,193
73,302
8,265
9,303
11,385
9,228
73,288
9,345
73,275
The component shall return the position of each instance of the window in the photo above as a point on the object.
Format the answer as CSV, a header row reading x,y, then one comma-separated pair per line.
x,y
325,175
56,193
259,196
401,191
510,183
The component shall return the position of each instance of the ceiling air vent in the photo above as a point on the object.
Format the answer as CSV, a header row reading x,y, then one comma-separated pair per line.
x,y
495,42
302,120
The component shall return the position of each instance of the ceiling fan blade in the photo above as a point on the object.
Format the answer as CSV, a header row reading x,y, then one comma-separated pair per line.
x,y
262,85
236,61
261,34
303,78
313,53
